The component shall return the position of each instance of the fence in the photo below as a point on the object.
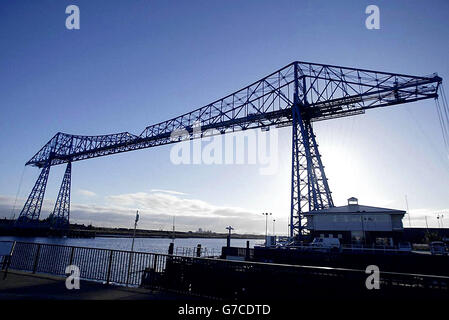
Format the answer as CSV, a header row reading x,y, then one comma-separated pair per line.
x,y
241,280
109,266
218,278
247,253
193,252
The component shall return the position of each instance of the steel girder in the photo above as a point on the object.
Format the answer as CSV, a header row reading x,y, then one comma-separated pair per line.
x,y
332,92
61,213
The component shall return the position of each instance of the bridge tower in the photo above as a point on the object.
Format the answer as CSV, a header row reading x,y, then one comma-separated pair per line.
x,y
29,216
60,217
309,185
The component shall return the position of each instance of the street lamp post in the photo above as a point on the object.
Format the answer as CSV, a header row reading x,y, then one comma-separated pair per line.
x,y
274,233
132,247
134,233
266,214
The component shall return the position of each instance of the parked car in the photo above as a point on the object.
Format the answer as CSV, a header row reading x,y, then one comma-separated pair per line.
x,y
328,243
438,247
405,246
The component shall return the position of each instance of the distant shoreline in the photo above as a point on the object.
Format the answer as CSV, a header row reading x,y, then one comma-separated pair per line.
x,y
81,231
169,235
183,237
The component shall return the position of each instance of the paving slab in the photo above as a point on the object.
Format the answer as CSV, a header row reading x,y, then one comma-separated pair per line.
x,y
23,285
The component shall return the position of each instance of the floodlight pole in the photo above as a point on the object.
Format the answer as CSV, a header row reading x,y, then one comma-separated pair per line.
x,y
135,227
266,214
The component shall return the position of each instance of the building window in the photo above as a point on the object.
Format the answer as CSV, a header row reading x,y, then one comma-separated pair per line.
x,y
357,236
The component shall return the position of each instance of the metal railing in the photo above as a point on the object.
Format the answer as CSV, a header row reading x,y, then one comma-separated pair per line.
x,y
193,252
253,280
105,265
343,248
238,252
210,277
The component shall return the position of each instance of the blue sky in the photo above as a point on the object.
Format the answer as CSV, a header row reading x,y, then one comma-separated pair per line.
x,y
135,63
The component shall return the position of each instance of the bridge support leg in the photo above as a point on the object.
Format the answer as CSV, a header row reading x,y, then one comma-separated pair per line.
x,y
299,192
309,187
31,211
61,214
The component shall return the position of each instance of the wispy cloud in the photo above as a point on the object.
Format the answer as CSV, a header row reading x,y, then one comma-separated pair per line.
x,y
168,191
86,193
169,204
156,211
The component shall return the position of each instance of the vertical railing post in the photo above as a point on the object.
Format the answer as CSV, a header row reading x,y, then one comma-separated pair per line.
x,y
129,267
155,263
11,252
12,248
72,252
8,260
153,271
108,276
36,259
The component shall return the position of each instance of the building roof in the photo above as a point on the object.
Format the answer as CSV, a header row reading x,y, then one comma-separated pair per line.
x,y
356,208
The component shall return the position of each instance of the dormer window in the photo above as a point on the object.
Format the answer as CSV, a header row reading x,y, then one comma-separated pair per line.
x,y
353,201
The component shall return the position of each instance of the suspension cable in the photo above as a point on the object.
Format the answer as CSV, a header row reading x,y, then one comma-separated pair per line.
x,y
443,117
17,194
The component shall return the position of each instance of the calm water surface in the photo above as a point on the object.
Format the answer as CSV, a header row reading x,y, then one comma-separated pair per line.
x,y
156,245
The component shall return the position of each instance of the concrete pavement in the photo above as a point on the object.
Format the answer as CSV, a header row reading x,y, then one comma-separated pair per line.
x,y
23,285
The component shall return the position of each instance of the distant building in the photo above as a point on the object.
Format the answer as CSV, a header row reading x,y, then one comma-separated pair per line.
x,y
355,223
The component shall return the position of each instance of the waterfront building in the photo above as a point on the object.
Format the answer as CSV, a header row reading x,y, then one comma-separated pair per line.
x,y
356,223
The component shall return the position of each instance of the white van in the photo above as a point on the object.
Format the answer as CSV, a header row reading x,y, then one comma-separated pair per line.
x,y
328,243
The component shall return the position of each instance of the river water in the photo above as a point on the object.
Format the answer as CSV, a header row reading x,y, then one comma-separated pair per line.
x,y
155,245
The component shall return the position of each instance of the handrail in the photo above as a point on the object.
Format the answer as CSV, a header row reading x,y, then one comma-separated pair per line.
x,y
164,271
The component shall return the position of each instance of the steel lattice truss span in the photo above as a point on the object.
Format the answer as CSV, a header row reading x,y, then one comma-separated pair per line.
x,y
330,90
296,95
